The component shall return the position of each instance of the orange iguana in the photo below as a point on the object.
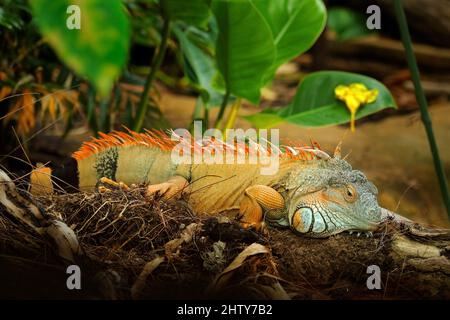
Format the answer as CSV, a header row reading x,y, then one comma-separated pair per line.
x,y
312,193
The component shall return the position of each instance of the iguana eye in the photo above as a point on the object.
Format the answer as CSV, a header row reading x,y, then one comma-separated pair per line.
x,y
350,193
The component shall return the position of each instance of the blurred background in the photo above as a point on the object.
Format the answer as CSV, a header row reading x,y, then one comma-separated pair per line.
x,y
389,146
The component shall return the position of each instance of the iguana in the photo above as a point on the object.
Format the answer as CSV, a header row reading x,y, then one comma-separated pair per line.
x,y
312,193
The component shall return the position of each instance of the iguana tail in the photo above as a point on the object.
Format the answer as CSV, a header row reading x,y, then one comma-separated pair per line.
x,y
50,179
127,157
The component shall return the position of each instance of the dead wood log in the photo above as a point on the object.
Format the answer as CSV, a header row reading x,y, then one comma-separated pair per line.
x,y
22,208
122,233
391,51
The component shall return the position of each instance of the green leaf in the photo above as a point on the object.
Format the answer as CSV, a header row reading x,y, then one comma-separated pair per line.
x,y
315,104
10,20
245,47
194,12
98,51
13,14
199,66
295,25
265,119
145,22
347,23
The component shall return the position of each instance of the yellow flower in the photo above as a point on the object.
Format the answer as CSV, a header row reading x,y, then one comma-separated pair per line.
x,y
354,96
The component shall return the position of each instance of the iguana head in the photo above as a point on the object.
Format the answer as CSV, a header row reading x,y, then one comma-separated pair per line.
x,y
329,198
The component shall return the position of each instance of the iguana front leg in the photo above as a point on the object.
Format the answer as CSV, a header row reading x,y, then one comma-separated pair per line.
x,y
172,187
258,201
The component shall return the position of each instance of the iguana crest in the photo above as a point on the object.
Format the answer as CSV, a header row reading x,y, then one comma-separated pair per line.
x,y
167,141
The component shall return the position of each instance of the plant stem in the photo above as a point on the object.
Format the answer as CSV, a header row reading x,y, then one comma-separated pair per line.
x,y
206,115
231,121
196,114
420,96
226,97
156,63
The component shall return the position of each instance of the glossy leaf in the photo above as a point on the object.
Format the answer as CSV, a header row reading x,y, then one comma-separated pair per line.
x,y
245,47
199,66
97,51
315,104
295,25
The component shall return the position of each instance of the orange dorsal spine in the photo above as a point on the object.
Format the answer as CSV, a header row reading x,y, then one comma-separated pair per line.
x,y
161,140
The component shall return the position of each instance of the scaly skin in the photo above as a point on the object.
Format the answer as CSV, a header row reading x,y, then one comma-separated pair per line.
x,y
314,196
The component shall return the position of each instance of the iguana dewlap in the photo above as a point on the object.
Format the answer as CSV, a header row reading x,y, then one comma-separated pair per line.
x,y
317,196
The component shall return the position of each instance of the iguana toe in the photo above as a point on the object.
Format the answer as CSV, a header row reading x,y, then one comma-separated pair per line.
x,y
109,184
103,189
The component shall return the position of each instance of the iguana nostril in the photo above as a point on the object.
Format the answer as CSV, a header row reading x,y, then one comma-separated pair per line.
x,y
370,208
375,214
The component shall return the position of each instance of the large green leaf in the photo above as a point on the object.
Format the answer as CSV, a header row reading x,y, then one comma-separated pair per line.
x,y
347,23
195,12
99,50
315,103
295,25
199,66
245,47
